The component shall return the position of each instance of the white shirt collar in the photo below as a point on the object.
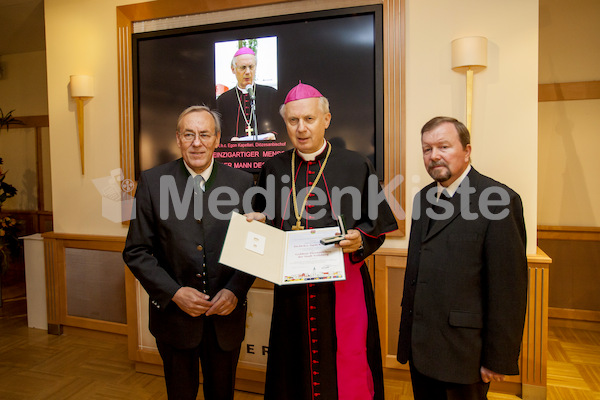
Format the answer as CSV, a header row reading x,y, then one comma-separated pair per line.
x,y
450,190
204,174
312,156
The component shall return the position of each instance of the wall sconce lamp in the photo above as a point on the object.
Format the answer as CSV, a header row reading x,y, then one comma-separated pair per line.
x,y
469,52
82,88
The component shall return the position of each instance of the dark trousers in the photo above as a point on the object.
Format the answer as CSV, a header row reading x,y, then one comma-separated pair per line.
x,y
426,388
182,374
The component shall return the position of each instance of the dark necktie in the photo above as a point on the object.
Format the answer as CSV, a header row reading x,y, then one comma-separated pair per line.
x,y
438,210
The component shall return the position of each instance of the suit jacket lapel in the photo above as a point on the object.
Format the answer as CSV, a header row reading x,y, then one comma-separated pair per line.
x,y
439,225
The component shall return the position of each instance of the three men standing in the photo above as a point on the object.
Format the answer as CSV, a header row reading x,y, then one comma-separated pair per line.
x,y
465,286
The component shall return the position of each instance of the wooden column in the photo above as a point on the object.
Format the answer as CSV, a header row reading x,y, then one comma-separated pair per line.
x,y
534,357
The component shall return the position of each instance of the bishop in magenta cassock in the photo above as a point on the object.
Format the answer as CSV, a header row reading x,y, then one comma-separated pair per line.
x,y
324,341
238,118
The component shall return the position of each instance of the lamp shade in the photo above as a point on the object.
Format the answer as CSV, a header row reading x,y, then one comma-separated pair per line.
x,y
469,52
82,86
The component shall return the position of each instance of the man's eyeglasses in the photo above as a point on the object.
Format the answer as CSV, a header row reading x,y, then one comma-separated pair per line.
x,y
242,68
189,137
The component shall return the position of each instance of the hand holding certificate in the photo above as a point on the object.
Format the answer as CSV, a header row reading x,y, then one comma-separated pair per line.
x,y
282,257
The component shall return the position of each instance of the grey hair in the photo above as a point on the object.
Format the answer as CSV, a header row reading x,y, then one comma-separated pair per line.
x,y
233,60
323,104
216,116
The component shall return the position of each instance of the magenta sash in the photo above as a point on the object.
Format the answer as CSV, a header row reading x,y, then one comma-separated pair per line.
x,y
354,378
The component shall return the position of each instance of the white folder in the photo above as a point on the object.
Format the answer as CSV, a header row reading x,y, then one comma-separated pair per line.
x,y
282,257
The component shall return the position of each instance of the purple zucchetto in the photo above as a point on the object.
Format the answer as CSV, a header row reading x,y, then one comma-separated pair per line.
x,y
301,91
244,50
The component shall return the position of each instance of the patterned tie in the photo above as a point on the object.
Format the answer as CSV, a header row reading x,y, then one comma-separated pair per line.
x,y
199,183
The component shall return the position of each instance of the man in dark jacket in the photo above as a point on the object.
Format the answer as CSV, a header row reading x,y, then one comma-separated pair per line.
x,y
465,287
197,306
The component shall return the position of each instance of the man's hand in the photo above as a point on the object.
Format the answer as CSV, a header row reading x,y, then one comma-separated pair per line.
x,y
224,303
255,216
352,241
192,301
487,375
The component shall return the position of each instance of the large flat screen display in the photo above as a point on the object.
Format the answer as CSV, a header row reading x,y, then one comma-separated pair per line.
x,y
337,51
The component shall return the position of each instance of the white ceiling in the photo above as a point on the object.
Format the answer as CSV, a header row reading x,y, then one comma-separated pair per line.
x,y
21,26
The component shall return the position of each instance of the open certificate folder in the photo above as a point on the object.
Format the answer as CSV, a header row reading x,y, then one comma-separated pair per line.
x,y
282,257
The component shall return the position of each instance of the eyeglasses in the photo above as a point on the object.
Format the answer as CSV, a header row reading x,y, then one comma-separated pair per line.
x,y
189,137
242,68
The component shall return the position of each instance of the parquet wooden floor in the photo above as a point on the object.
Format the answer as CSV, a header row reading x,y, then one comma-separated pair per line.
x,y
35,365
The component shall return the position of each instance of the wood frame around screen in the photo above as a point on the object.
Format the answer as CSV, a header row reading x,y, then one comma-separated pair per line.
x,y
235,10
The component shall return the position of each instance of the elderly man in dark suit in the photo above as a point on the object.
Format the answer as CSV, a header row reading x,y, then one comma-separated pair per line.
x,y
197,306
465,286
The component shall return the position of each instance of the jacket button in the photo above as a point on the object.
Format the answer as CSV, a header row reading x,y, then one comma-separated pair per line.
x,y
413,282
199,247
198,275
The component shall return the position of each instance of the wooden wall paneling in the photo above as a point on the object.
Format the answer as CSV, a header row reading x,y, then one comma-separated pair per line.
x,y
568,232
90,274
574,276
55,246
394,106
589,90
388,261
146,360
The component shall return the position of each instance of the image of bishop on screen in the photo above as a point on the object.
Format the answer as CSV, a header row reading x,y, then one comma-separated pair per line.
x,y
246,90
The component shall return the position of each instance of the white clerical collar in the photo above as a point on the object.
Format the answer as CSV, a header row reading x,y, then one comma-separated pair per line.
x,y
312,156
244,90
204,174
450,190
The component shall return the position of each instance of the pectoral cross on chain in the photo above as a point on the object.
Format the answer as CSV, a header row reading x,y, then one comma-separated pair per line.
x,y
297,227
249,130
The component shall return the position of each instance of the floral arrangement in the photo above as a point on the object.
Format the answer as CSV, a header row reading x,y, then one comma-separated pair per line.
x,y
9,240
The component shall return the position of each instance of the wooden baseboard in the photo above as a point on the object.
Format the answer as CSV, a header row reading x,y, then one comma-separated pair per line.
x,y
576,319
574,324
94,334
150,369
574,315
